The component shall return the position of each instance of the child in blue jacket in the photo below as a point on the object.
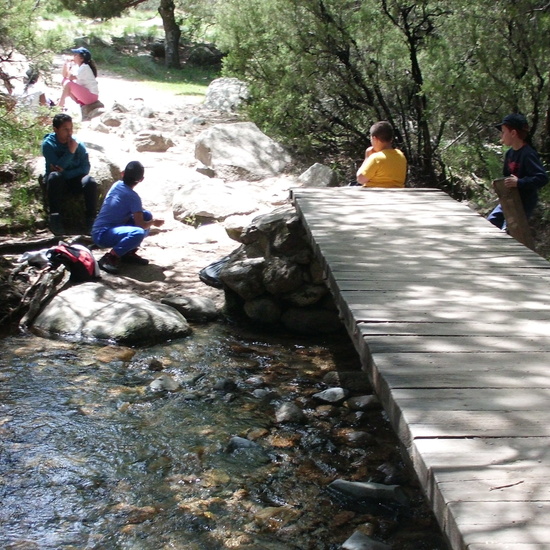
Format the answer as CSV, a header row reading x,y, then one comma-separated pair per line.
x,y
522,166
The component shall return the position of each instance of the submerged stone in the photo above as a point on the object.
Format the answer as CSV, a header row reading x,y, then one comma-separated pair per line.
x,y
360,541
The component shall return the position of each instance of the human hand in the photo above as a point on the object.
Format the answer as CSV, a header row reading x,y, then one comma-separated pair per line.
x,y
369,151
72,145
55,168
158,223
511,181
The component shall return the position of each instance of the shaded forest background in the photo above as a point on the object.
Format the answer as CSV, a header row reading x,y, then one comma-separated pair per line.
x,y
322,71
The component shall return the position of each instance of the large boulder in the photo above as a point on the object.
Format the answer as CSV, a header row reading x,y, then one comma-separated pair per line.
x,y
92,311
104,170
319,176
226,94
240,151
203,200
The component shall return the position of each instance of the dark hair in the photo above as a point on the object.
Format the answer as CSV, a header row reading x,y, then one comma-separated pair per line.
x,y
93,66
383,130
31,77
133,173
60,119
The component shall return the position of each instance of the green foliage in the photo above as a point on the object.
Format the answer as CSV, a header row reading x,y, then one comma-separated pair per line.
x,y
143,68
322,71
16,32
93,9
21,134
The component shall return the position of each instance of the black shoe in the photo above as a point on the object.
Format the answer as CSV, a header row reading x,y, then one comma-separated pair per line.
x,y
56,224
133,258
109,263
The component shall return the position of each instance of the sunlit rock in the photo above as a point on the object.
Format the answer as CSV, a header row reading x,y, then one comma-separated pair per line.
x,y
92,311
240,151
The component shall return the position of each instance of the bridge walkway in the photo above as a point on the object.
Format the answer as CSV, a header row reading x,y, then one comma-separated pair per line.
x,y
451,318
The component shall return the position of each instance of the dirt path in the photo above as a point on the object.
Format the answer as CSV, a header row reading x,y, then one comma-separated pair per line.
x,y
177,251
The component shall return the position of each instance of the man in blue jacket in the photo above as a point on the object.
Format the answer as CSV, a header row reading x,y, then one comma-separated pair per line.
x,y
67,171
522,166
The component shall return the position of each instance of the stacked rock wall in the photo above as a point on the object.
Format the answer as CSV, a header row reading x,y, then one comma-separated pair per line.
x,y
275,278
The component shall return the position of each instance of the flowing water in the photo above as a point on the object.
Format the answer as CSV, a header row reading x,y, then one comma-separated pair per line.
x,y
92,456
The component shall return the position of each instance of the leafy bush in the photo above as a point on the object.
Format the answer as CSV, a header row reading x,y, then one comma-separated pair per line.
x,y
21,133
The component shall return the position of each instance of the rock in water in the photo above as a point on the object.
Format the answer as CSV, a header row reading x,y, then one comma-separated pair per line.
x,y
92,311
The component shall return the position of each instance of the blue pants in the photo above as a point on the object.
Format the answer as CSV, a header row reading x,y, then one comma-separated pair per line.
x,y
496,217
57,187
124,238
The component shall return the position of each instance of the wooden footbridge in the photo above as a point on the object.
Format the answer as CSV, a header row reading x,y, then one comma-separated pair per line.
x,y
451,318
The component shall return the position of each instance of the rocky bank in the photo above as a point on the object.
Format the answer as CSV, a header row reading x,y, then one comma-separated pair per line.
x,y
211,176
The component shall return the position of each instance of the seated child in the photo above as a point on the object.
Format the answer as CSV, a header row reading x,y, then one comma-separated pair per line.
x,y
383,166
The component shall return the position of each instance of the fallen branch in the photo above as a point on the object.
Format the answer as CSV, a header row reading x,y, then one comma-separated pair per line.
x,y
48,284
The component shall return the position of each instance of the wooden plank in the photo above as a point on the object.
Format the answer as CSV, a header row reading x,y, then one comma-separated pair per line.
x,y
474,399
463,424
513,210
536,266
494,461
462,370
423,287
477,473
498,522
362,281
461,413
477,262
433,259
464,343
447,297
502,485
515,326
496,313
500,416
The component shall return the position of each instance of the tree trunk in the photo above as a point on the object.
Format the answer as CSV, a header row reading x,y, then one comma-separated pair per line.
x,y
172,34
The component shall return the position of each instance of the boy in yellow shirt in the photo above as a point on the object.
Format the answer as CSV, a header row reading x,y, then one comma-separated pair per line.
x,y
383,166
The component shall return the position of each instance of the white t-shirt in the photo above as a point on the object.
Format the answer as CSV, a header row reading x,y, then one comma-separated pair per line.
x,y
85,77
29,97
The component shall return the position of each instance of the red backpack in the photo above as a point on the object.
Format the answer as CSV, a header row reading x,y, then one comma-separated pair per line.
x,y
77,259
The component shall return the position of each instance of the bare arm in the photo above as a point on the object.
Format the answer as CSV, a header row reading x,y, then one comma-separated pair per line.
x,y
140,222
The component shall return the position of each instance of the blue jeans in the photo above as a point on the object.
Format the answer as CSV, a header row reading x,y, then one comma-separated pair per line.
x,y
124,238
496,217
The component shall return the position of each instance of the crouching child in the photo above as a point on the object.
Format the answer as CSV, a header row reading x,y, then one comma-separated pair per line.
x,y
122,223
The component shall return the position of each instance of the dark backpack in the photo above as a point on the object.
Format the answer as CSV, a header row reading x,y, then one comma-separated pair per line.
x,y
77,259
210,275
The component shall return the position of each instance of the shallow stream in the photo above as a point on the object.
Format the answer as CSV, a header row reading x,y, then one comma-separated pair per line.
x,y
92,456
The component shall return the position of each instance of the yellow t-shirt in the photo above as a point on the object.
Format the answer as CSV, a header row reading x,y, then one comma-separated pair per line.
x,y
387,168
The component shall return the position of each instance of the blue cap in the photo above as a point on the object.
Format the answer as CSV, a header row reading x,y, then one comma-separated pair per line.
x,y
86,55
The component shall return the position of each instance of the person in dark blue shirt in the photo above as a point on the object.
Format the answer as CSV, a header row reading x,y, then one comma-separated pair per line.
x,y
522,166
